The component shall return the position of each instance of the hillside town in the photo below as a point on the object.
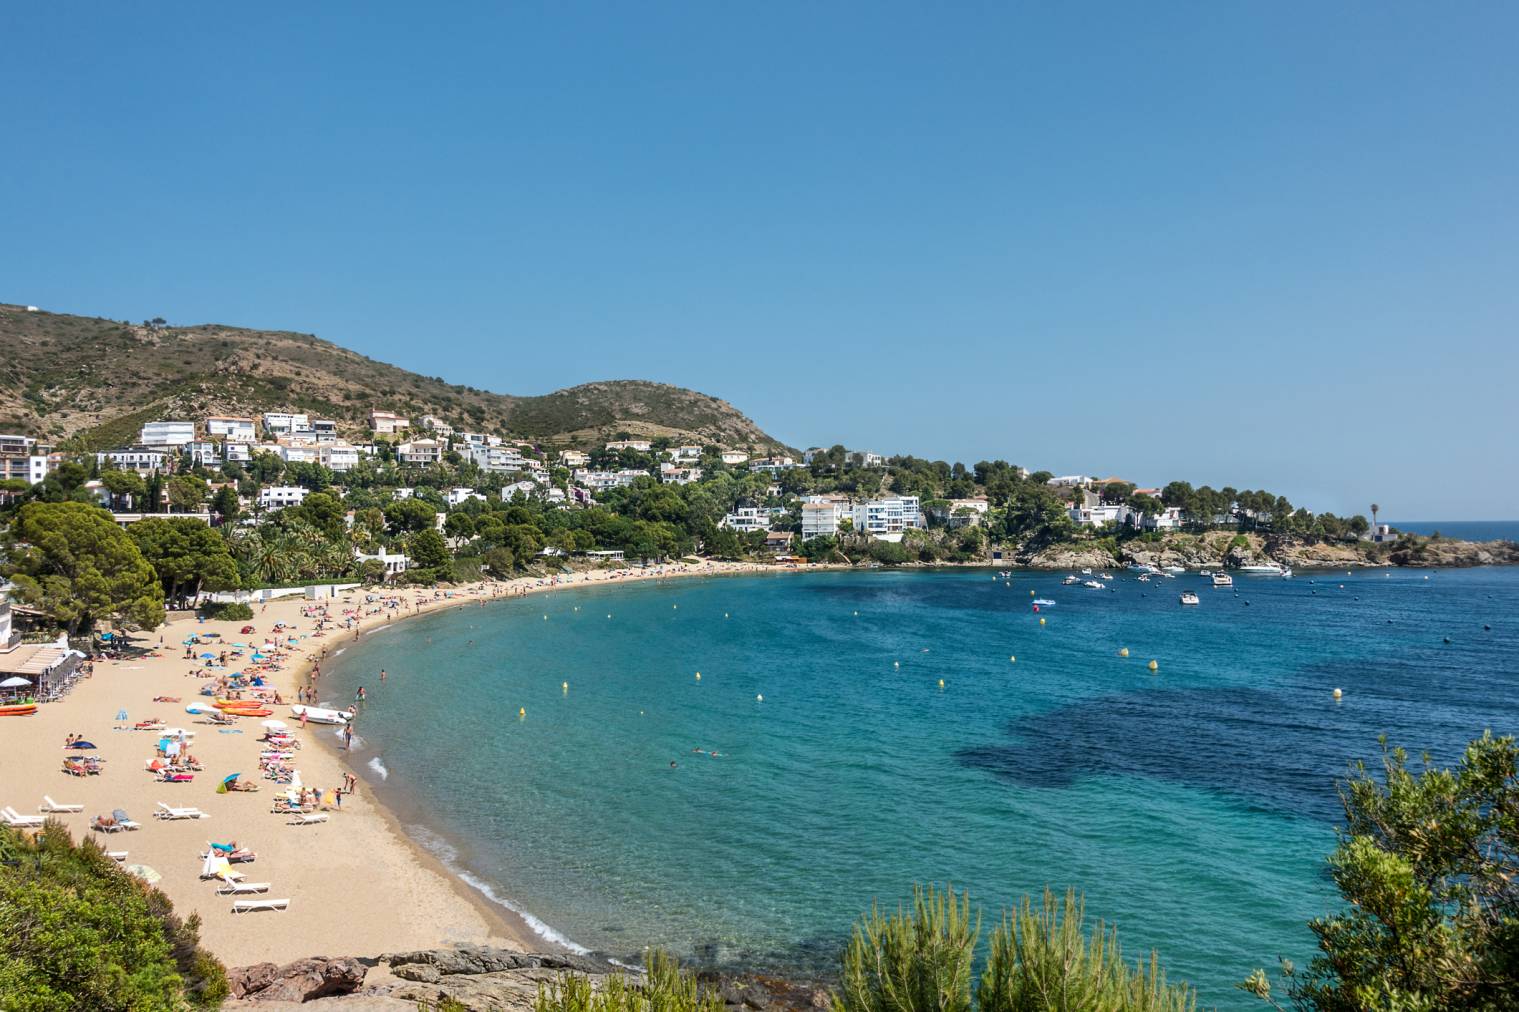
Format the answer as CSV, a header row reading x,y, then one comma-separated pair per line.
x,y
243,473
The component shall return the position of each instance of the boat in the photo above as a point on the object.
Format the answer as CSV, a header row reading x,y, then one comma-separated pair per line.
x,y
1223,580
1073,578
1086,572
1104,576
318,715
1143,567
1168,576
1266,569
1144,577
18,710
1189,598
1093,584
1206,572
1044,602
1176,569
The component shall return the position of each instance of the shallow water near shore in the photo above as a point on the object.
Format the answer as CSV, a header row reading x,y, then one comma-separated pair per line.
x,y
1193,806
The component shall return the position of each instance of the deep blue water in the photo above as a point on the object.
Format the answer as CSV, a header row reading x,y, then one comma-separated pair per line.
x,y
1465,530
1194,806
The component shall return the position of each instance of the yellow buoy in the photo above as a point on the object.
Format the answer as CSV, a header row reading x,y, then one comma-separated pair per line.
x,y
565,686
1124,652
941,683
1041,621
1338,693
522,711
896,664
1012,660
1154,665
698,676
1031,593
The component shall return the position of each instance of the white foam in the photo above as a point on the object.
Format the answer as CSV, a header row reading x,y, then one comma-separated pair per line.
x,y
380,629
379,768
339,651
448,855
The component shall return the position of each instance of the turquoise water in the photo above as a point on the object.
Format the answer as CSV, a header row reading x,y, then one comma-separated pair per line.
x,y
1194,806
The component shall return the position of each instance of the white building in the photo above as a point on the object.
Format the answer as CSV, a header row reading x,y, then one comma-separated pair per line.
x,y
734,457
1091,511
640,445
526,489
686,453
279,423
460,495
437,426
1379,534
772,465
388,422
1070,481
142,459
497,458
420,452
957,513
748,518
232,428
325,430
820,519
297,454
672,474
338,457
394,562
204,453
276,497
167,434
596,481
887,518
1168,519
865,458
242,453
574,458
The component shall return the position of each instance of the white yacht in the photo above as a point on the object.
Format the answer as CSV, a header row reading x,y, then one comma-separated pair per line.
x,y
1073,578
1223,580
1093,584
1176,569
1266,569
1189,598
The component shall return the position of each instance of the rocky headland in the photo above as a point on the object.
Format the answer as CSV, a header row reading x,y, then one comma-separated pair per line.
x,y
1228,550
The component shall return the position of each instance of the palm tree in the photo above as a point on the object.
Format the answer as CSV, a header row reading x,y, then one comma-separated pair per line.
x,y
1374,509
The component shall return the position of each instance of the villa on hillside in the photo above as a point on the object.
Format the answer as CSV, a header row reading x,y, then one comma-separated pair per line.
x,y
387,423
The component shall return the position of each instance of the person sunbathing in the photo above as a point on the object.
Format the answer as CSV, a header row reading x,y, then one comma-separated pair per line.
x,y
103,822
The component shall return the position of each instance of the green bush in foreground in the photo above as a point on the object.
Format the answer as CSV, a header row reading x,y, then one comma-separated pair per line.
x,y
666,988
77,932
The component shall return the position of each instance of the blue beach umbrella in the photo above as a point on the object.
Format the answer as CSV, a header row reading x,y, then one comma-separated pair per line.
x,y
207,657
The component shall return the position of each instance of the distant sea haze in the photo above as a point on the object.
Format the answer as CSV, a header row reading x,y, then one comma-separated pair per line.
x,y
1463,530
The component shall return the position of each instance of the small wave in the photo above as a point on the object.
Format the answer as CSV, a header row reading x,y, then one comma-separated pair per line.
x,y
448,855
338,651
379,768
381,629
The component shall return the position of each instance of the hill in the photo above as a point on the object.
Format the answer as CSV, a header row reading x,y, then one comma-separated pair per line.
x,y
92,382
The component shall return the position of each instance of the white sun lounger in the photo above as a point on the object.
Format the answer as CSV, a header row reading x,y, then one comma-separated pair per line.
x,y
249,906
49,805
242,888
309,819
15,818
169,812
116,855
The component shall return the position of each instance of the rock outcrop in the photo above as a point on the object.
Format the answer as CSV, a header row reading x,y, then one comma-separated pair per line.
x,y
301,981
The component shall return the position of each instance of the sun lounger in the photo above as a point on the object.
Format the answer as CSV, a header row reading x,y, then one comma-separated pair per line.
x,y
16,819
249,906
116,855
169,812
49,805
308,819
123,820
242,888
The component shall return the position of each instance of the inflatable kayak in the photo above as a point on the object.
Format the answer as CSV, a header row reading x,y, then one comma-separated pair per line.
x,y
18,710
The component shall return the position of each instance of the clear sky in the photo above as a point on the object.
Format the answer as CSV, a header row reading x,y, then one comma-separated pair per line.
x,y
1268,244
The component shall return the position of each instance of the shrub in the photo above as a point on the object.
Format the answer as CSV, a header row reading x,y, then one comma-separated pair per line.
x,y
77,932
919,960
666,988
230,610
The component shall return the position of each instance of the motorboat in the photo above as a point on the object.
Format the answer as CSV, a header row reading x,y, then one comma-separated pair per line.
x,y
1223,580
1086,572
1143,567
319,715
1093,584
1206,572
1044,602
1073,578
1144,577
1176,569
1104,576
1190,598
1266,569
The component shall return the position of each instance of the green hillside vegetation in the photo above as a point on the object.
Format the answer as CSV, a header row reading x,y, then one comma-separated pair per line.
x,y
91,382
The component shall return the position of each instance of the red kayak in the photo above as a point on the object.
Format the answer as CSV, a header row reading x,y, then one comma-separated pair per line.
x,y
18,710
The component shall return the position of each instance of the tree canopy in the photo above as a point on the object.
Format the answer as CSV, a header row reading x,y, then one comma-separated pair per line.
x,y
188,556
71,561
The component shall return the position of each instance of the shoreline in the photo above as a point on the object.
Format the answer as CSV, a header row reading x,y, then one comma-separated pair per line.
x,y
359,883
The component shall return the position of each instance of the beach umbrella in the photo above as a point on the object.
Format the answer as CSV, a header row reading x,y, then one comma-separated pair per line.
x,y
189,640
275,725
258,656
14,683
143,872
207,656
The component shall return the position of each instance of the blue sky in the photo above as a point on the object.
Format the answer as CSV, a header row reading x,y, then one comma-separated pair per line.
x,y
1267,245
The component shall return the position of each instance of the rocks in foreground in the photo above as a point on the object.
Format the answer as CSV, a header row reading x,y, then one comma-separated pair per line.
x,y
479,977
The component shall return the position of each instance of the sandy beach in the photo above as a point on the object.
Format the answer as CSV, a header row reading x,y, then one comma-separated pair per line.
x,y
356,884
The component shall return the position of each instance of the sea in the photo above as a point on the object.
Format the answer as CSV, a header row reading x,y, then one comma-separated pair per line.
x,y
1464,530
737,768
